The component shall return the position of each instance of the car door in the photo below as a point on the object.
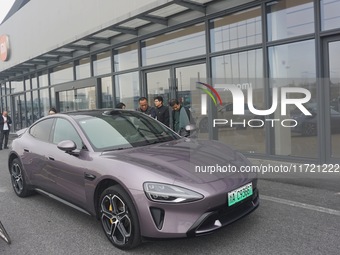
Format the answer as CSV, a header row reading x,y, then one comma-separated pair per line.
x,y
68,169
34,158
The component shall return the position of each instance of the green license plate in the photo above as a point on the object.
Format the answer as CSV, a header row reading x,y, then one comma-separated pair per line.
x,y
240,194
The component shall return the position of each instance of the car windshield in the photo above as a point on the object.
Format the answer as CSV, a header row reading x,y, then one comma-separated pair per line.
x,y
118,130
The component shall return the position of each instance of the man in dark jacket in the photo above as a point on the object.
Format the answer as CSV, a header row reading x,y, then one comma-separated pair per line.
x,y
162,112
145,108
5,126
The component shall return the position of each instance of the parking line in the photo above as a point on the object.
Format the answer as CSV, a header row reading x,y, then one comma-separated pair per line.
x,y
301,205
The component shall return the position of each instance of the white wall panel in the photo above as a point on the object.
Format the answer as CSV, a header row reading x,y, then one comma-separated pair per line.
x,y
44,25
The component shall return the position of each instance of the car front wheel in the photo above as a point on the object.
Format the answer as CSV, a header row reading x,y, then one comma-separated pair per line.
x,y
18,179
119,218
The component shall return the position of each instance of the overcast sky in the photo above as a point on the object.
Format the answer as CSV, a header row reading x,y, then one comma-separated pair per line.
x,y
5,5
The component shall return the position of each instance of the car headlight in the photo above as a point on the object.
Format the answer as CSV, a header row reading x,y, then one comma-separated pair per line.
x,y
160,192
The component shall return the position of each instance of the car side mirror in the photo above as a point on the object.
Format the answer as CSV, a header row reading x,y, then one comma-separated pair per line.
x,y
190,128
190,131
67,145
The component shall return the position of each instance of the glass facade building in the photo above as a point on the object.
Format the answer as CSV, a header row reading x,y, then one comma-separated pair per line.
x,y
264,45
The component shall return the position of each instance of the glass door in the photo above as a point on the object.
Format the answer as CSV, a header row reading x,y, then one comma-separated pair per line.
x,y
176,82
19,112
186,78
158,84
85,98
77,99
67,100
332,71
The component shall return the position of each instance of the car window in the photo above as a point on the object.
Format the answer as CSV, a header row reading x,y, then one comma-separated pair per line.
x,y
124,130
64,130
42,129
102,135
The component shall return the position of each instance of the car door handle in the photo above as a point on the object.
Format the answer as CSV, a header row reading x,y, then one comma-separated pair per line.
x,y
89,177
50,158
26,150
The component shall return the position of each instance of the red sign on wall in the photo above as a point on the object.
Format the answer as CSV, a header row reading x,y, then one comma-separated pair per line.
x,y
4,47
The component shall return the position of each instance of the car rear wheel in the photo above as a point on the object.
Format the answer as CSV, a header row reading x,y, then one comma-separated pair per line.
x,y
119,218
18,179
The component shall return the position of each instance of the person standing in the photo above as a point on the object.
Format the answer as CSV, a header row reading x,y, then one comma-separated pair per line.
x,y
145,108
181,117
52,111
5,125
162,112
120,106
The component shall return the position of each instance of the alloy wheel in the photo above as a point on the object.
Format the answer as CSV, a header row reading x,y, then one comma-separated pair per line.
x,y
17,180
116,219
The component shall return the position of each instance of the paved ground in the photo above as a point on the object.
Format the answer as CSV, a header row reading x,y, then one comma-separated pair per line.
x,y
326,176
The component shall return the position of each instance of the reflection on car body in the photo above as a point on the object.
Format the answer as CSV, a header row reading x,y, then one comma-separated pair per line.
x,y
133,173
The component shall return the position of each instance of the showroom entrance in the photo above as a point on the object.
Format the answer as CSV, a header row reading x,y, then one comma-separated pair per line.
x,y
20,112
176,82
79,95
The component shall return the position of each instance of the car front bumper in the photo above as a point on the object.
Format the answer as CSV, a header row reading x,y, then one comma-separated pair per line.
x,y
223,216
161,220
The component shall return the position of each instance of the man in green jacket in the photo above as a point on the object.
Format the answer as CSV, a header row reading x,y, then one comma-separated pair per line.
x,y
181,117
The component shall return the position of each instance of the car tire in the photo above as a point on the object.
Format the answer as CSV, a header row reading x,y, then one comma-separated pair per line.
x,y
203,125
18,179
309,129
119,218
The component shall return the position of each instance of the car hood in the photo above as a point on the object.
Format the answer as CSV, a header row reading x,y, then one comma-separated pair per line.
x,y
185,160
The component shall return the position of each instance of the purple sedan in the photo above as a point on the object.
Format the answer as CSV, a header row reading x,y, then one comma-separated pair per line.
x,y
138,177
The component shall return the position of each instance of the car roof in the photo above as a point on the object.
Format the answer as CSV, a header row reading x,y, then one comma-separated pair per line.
x,y
97,112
